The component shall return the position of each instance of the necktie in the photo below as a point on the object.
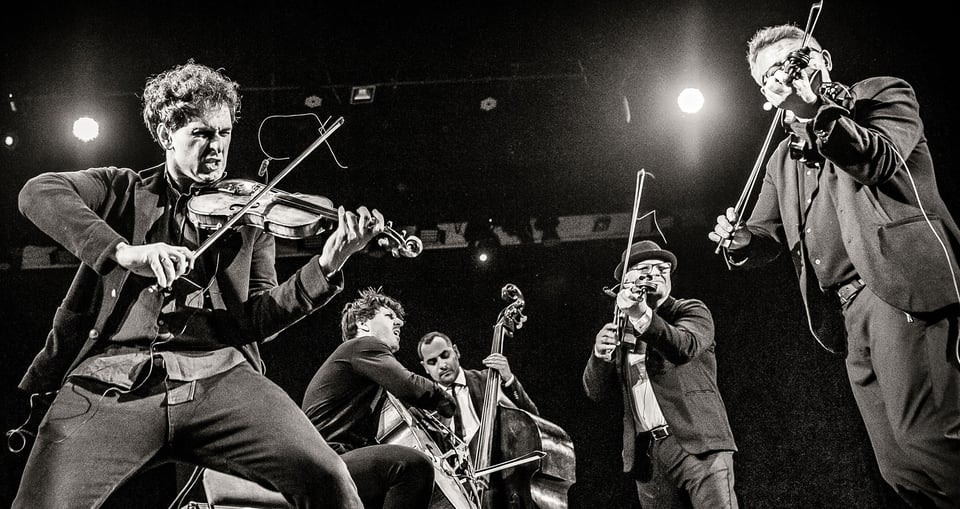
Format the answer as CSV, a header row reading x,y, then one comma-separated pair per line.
x,y
457,416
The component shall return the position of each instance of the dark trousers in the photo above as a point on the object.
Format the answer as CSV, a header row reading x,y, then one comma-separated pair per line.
x,y
682,480
906,383
391,476
92,440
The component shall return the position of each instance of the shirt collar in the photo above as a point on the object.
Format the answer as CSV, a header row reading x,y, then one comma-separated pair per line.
x,y
461,379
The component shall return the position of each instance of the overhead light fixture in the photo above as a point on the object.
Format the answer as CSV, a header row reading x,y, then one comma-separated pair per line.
x,y
362,95
488,104
312,101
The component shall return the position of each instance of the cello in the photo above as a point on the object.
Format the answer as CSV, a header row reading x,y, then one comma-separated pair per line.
x,y
455,486
524,437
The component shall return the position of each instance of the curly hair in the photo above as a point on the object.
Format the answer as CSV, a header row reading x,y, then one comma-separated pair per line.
x,y
364,308
184,92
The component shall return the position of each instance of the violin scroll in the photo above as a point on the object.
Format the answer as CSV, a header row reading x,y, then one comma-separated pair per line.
x,y
797,61
400,244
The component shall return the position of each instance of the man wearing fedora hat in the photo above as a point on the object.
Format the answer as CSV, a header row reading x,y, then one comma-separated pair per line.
x,y
677,442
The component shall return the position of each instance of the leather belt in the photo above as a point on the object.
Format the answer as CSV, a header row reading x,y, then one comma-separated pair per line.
x,y
849,290
660,432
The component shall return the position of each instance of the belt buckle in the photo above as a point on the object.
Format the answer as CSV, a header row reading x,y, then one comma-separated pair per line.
x,y
660,432
848,291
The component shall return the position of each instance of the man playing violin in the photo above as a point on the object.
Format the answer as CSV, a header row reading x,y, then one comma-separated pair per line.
x,y
153,355
875,251
677,442
347,395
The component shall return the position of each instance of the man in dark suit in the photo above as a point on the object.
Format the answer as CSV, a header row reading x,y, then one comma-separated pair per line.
x,y
346,397
677,442
440,357
875,250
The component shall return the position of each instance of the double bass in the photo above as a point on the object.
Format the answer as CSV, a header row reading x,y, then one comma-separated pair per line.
x,y
524,437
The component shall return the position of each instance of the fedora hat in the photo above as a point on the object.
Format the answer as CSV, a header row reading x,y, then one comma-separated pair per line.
x,y
644,250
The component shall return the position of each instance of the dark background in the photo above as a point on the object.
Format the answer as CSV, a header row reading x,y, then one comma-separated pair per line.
x,y
565,75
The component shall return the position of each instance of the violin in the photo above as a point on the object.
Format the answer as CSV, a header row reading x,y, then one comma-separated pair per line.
x,y
280,213
236,201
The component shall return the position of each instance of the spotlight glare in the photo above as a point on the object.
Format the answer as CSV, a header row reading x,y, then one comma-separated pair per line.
x,y
690,100
86,129
9,141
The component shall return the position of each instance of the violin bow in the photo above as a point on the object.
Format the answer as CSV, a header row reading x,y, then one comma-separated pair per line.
x,y
637,193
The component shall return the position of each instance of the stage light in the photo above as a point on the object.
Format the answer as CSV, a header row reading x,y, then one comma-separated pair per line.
x,y
690,100
9,140
488,104
482,240
362,95
86,129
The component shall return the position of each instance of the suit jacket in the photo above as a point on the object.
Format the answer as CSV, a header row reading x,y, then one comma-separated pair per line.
x,y
477,383
90,212
683,372
885,231
346,395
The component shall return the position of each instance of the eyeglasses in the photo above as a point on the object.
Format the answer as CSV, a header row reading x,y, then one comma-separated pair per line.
x,y
663,268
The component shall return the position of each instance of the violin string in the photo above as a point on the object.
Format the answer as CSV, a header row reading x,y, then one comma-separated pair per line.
x,y
322,129
655,224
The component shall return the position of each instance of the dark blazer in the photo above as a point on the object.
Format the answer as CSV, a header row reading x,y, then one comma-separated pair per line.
x,y
683,371
885,231
477,384
346,395
89,212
